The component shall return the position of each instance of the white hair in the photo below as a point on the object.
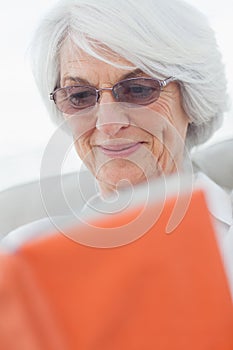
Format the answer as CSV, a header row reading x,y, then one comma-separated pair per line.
x,y
162,37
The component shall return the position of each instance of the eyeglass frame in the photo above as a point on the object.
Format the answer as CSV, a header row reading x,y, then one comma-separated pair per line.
x,y
163,83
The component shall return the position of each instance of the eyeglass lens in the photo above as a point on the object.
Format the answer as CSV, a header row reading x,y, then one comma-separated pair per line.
x,y
141,91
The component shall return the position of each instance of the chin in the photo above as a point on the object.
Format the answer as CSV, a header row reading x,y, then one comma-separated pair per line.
x,y
120,174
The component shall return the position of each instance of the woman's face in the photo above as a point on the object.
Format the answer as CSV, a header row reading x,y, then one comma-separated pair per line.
x,y
118,142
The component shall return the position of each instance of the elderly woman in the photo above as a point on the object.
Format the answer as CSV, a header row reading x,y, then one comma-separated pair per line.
x,y
137,83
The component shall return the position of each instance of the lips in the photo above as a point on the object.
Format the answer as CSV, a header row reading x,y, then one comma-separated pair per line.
x,y
120,150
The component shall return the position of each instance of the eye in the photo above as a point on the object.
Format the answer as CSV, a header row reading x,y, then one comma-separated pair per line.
x,y
140,91
81,97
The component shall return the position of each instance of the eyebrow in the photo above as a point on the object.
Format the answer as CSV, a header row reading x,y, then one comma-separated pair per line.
x,y
137,72
75,80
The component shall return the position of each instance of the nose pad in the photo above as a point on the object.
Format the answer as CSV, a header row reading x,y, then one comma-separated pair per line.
x,y
111,118
105,95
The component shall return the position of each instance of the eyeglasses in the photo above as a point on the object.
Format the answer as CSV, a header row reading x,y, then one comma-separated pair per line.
x,y
137,91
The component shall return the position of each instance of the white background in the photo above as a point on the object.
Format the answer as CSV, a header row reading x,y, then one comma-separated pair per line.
x,y
25,127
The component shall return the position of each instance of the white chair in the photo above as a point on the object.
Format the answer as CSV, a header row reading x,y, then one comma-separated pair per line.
x,y
216,161
51,196
57,195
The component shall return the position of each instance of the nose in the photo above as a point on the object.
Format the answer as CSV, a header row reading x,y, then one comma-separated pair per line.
x,y
111,117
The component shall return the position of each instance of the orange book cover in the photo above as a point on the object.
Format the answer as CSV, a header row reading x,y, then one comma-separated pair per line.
x,y
156,291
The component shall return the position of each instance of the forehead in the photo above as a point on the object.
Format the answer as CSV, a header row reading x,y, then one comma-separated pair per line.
x,y
74,60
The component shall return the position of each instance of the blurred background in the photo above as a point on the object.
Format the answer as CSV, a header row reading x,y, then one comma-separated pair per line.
x,y
25,128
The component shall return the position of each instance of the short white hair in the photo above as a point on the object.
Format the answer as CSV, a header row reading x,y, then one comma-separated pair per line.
x,y
162,37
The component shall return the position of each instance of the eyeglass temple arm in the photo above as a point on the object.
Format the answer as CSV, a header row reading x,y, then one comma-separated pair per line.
x,y
165,82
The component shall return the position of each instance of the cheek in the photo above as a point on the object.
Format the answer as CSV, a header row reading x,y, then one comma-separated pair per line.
x,y
82,128
172,138
83,147
168,129
170,107
85,152
80,124
169,149
173,123
148,120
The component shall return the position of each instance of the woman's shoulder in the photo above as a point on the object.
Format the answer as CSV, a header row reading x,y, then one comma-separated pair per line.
x,y
24,233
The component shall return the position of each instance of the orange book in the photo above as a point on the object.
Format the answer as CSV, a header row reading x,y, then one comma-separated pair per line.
x,y
161,291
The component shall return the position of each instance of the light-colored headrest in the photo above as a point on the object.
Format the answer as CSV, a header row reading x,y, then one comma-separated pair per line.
x,y
216,161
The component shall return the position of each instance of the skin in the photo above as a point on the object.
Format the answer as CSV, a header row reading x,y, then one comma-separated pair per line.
x,y
118,143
